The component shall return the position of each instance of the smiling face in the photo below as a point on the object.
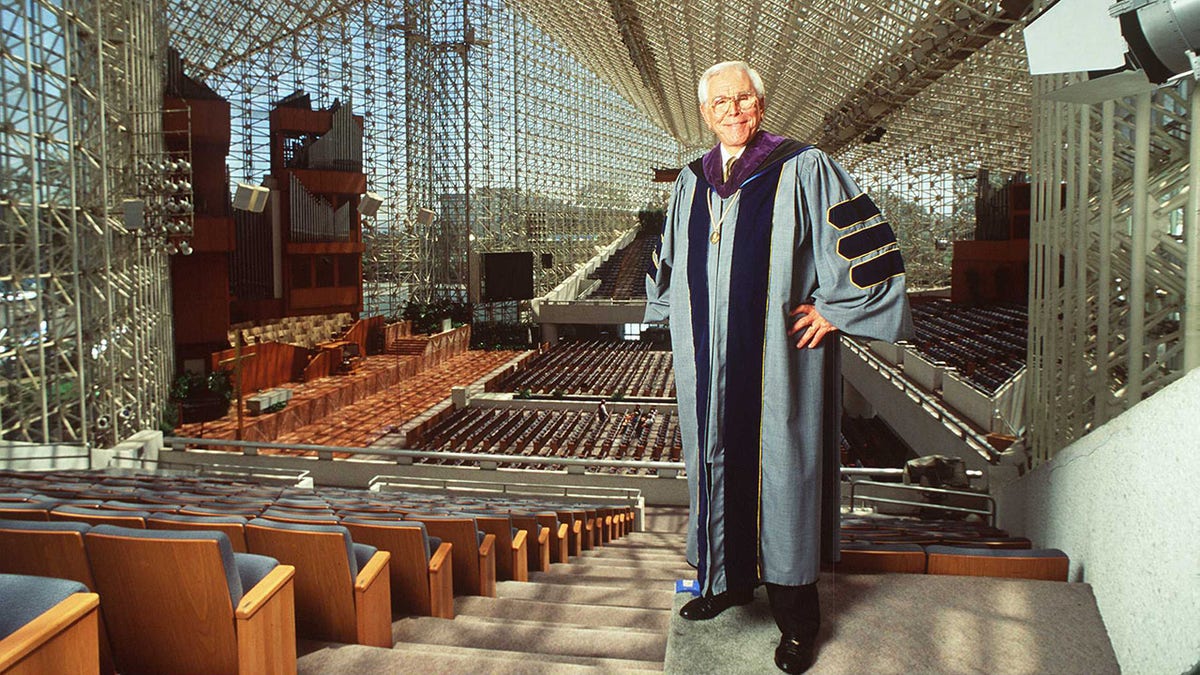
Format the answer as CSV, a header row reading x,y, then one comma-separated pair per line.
x,y
736,122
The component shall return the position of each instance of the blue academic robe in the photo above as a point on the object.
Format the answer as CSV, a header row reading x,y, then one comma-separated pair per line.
x,y
760,419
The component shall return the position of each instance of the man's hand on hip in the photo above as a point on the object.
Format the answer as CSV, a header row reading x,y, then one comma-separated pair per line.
x,y
814,326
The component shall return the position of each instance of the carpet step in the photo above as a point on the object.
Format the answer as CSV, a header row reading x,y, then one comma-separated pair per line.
x,y
613,596
628,559
424,659
914,623
653,537
500,622
617,570
564,614
649,545
532,637
588,578
631,554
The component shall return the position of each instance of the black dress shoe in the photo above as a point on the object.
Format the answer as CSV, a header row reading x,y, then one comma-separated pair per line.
x,y
708,606
794,654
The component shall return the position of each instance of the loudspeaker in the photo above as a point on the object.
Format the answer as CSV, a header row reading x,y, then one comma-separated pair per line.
x,y
547,261
135,214
252,198
507,276
426,216
369,204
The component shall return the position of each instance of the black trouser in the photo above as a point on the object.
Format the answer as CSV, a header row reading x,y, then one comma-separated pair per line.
x,y
797,609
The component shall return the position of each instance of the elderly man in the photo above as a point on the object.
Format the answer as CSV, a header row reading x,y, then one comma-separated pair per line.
x,y
769,249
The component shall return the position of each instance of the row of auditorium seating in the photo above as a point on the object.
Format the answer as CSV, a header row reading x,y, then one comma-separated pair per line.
x,y
411,548
355,411
986,344
583,434
598,368
305,331
444,519
900,545
623,276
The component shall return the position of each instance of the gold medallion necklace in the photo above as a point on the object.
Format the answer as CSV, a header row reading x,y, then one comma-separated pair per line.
x,y
718,221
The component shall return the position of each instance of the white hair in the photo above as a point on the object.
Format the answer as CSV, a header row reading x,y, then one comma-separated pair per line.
x,y
755,79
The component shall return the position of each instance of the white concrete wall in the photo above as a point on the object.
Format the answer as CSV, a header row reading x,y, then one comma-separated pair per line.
x,y
358,474
37,457
967,400
924,433
1122,503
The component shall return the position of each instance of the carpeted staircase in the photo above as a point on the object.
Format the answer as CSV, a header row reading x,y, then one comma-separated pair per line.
x,y
606,611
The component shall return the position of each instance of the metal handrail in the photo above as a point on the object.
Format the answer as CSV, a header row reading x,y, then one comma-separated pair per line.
x,y
889,472
270,473
325,452
627,495
595,301
990,512
963,430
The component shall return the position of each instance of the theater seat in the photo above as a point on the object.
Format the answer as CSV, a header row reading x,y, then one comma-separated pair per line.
x,y
343,590
51,549
512,550
27,510
474,558
874,558
185,603
234,527
576,529
1039,563
48,626
559,535
538,540
84,514
421,568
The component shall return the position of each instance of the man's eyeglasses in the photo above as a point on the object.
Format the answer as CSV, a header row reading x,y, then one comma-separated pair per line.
x,y
724,104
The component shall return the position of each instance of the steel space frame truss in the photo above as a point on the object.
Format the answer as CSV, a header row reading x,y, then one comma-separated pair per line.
x,y
1114,311
469,111
85,336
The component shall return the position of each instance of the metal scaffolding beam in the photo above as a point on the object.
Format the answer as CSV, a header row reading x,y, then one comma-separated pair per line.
x,y
85,333
1113,228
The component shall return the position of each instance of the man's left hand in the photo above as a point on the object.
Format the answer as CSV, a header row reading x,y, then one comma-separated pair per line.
x,y
815,326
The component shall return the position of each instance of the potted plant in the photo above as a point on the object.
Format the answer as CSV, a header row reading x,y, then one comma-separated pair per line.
x,y
200,398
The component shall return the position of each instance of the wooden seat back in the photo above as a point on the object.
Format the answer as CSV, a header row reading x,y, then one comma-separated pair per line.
x,y
575,521
877,559
52,552
46,552
421,584
323,584
470,560
511,555
538,556
1048,564
166,603
134,519
559,536
26,510
234,527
